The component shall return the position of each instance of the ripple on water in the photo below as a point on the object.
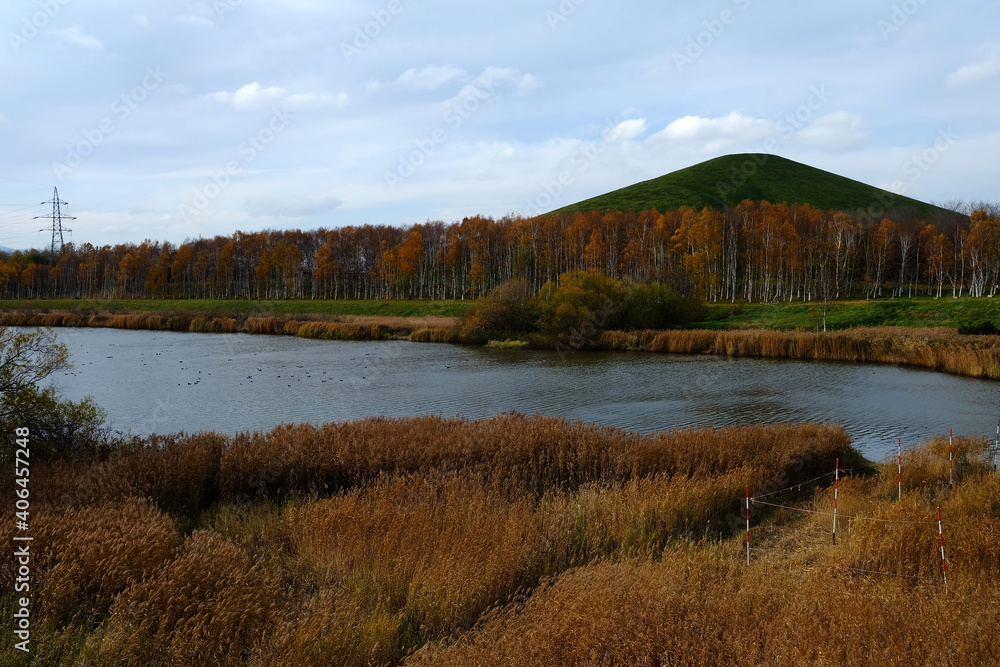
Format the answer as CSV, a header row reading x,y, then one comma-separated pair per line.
x,y
241,382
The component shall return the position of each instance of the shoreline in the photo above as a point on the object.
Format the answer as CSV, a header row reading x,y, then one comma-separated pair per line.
x,y
937,349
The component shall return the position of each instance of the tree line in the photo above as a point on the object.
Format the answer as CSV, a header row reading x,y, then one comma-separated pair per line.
x,y
756,251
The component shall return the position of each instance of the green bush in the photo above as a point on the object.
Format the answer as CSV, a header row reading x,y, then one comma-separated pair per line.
x,y
581,306
57,428
657,306
575,310
978,329
509,311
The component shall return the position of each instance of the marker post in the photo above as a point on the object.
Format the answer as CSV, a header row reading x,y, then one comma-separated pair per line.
x,y
951,463
748,525
836,487
944,565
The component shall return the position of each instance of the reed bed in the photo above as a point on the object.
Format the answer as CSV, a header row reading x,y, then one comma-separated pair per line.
x,y
399,324
702,610
86,556
514,540
935,349
328,327
434,335
530,454
208,606
214,325
533,454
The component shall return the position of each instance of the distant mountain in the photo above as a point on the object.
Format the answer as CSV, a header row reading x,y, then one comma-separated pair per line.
x,y
7,250
728,180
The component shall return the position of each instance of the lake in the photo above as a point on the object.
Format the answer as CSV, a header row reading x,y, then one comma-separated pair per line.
x,y
163,382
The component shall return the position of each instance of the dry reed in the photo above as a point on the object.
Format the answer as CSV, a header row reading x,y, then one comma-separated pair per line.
x,y
699,610
935,349
85,557
509,541
208,606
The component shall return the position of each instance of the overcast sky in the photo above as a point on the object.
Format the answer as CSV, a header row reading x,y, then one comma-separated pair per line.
x,y
174,120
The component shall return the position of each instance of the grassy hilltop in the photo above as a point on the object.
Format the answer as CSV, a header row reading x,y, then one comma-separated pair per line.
x,y
728,180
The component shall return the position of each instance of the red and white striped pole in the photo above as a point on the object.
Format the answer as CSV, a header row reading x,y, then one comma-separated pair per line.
x,y
899,465
836,485
748,525
951,463
944,565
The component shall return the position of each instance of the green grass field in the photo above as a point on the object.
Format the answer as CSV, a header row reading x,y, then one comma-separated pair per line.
x,y
229,307
915,312
730,179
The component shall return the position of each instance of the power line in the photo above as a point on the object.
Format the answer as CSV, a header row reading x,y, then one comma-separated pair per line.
x,y
57,217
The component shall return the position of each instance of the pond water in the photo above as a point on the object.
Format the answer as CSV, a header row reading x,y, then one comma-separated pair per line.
x,y
160,382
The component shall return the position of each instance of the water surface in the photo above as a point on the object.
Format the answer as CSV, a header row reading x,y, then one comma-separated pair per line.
x,y
167,382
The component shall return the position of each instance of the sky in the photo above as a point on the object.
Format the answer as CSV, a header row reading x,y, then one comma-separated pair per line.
x,y
178,120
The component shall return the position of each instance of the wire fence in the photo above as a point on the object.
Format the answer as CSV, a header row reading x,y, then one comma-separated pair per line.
x,y
758,500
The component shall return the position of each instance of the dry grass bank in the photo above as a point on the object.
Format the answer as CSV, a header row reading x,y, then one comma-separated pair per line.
x,y
936,349
509,541
876,597
329,327
359,543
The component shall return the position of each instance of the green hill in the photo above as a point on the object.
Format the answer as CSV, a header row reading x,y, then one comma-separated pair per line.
x,y
728,180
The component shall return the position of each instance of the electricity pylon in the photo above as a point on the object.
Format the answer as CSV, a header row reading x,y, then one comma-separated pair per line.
x,y
56,217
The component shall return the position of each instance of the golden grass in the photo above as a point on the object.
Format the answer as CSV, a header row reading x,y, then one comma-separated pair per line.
x,y
434,335
936,349
509,541
385,542
87,556
398,324
703,609
328,327
213,325
208,606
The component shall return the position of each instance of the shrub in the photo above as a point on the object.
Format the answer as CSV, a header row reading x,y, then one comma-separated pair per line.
x,y
657,306
56,427
580,306
508,311
978,329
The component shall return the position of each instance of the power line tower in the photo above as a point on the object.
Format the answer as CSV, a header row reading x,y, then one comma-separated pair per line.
x,y
56,217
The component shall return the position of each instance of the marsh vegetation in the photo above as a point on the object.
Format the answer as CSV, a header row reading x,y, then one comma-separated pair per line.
x,y
510,541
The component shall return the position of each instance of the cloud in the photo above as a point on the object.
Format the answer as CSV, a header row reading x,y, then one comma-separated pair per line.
x,y
430,77
195,21
987,68
522,83
253,96
716,134
284,208
627,130
3,120
77,37
318,99
142,21
250,96
489,81
836,132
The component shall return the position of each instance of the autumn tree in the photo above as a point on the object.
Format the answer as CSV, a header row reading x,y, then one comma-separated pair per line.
x,y
55,427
